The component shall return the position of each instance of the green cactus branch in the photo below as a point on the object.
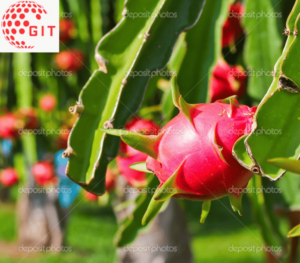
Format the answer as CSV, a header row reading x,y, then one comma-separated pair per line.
x,y
114,92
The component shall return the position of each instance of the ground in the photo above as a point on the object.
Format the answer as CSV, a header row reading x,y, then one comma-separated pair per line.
x,y
91,229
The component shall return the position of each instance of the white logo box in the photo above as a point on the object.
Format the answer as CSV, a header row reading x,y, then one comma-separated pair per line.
x,y
29,26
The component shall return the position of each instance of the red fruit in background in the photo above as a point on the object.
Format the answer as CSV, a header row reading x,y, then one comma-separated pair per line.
x,y
110,181
62,141
227,81
129,155
29,117
9,126
48,102
67,30
232,28
43,173
90,197
9,177
70,60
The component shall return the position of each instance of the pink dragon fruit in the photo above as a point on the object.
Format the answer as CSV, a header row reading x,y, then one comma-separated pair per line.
x,y
110,180
227,81
43,173
129,155
9,177
192,155
232,28
90,197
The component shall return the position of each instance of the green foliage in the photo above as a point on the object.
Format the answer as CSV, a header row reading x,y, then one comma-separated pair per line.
x,y
135,45
262,47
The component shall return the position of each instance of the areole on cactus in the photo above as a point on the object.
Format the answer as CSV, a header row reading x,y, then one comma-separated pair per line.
x,y
192,155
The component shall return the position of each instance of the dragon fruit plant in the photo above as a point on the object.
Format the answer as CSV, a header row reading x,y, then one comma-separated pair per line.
x,y
192,155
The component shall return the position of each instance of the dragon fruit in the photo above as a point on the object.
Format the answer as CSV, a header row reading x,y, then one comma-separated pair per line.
x,y
192,155
67,30
110,180
232,28
9,177
43,173
9,126
48,102
72,60
90,197
227,81
129,155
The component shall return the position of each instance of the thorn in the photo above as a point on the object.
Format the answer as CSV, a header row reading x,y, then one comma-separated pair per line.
x,y
101,62
286,32
78,108
108,124
68,152
295,33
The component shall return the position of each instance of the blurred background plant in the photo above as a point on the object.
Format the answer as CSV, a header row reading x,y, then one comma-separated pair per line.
x,y
213,60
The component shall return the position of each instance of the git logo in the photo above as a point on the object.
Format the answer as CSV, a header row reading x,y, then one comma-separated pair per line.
x,y
29,26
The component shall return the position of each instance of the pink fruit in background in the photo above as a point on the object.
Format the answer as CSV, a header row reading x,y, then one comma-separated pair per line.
x,y
9,177
29,116
227,81
9,126
232,28
43,173
90,197
192,155
110,181
129,155
48,102
70,60
66,30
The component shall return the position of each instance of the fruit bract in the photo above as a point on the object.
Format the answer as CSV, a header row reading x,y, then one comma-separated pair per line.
x,y
232,28
227,81
9,177
192,155
129,155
